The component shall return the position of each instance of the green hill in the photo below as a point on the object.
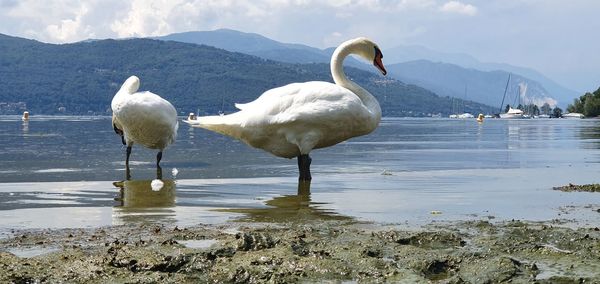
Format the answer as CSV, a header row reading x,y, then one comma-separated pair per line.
x,y
82,78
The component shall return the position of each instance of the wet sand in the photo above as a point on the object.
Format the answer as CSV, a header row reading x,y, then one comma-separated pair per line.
x,y
330,250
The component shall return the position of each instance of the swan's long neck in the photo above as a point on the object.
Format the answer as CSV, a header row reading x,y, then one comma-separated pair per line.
x,y
339,77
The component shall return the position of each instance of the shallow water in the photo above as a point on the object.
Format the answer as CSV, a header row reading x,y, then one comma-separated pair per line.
x,y
68,172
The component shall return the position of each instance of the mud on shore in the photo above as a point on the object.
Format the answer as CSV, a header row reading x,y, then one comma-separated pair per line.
x,y
336,251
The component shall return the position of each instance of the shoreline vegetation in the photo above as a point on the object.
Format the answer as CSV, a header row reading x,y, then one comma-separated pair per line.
x,y
326,250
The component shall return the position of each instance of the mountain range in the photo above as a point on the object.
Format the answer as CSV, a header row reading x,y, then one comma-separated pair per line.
x,y
409,62
82,78
487,87
547,87
260,46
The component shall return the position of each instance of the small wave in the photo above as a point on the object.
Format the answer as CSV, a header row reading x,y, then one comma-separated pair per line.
x,y
132,163
56,170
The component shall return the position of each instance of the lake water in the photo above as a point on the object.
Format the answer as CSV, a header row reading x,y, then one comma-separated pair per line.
x,y
59,172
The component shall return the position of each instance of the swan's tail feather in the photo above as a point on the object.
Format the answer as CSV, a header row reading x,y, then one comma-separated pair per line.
x,y
131,85
226,125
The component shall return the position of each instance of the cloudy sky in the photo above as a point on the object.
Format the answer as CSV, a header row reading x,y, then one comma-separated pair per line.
x,y
559,38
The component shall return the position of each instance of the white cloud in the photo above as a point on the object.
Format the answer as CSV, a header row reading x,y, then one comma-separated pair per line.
x,y
61,21
70,29
146,18
415,4
160,17
459,8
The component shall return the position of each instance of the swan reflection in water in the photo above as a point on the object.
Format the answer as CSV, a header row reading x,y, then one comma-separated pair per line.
x,y
25,126
145,201
289,208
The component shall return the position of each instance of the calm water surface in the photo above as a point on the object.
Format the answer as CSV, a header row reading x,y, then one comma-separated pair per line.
x,y
69,172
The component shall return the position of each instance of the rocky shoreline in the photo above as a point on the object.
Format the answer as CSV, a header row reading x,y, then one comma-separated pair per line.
x,y
453,252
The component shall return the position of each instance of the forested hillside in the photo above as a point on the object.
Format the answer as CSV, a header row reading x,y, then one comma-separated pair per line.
x,y
82,78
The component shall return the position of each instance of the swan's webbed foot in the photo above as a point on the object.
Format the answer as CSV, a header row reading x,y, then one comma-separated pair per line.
x,y
304,167
158,158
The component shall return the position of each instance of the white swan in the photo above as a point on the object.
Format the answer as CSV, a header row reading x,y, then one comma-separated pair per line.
x,y
144,118
292,120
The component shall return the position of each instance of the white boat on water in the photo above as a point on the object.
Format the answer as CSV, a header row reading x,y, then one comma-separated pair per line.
x,y
573,115
462,115
513,113
459,106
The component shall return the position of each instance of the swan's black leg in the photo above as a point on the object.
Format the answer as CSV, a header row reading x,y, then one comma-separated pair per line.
x,y
158,172
304,167
127,173
128,154
304,188
158,158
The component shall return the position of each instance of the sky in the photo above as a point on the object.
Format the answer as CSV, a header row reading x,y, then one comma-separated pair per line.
x,y
559,38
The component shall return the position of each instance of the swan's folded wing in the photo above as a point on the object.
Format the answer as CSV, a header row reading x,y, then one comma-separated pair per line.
x,y
317,102
273,98
309,103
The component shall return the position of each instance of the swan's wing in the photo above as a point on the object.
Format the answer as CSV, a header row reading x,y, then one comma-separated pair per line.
x,y
288,103
317,102
273,97
313,101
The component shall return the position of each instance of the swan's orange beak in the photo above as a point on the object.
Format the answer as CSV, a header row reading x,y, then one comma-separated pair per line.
x,y
377,61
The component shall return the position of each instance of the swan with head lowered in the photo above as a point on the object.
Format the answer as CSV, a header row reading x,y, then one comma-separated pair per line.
x,y
143,118
292,120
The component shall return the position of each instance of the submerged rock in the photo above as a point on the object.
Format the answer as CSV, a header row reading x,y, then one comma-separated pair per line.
x,y
595,187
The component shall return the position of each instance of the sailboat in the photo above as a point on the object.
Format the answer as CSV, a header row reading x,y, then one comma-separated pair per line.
x,y
512,113
464,114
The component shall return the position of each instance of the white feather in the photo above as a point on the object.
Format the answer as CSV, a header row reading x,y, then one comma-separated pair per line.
x,y
144,117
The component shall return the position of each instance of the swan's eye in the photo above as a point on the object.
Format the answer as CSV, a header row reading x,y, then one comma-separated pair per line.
x,y
378,52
